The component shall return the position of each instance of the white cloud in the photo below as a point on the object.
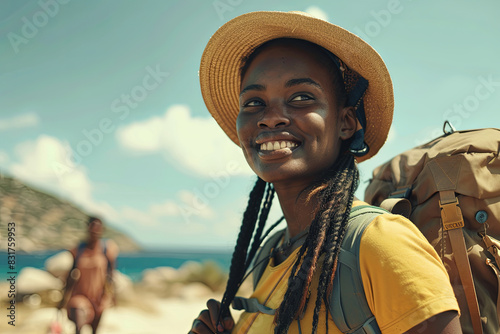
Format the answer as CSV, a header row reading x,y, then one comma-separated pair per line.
x,y
187,206
143,136
4,158
196,143
167,208
174,230
45,163
194,204
140,218
21,121
317,12
228,227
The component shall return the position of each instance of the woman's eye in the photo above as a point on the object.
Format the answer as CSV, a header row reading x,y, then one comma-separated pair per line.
x,y
301,97
253,103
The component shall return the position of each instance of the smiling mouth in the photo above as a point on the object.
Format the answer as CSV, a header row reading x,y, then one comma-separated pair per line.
x,y
277,145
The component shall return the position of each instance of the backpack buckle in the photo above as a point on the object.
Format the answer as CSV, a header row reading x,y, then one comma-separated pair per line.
x,y
451,215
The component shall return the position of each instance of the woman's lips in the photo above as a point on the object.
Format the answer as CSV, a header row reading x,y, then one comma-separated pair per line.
x,y
272,145
274,150
277,145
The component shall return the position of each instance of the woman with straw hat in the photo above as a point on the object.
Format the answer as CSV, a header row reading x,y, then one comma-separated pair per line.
x,y
306,100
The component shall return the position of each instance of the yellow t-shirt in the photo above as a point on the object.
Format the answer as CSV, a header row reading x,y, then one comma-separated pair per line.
x,y
404,281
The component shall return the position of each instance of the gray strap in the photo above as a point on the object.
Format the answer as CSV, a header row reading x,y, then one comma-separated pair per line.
x,y
251,305
348,258
263,255
348,305
369,327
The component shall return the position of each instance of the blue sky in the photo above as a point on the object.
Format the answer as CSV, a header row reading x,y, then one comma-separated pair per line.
x,y
100,101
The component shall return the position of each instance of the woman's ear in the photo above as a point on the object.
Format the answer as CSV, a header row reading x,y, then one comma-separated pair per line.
x,y
348,122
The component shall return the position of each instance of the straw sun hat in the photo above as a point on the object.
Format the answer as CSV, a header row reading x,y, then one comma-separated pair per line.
x,y
234,41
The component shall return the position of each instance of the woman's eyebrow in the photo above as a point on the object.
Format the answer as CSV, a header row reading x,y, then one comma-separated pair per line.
x,y
289,83
253,87
293,82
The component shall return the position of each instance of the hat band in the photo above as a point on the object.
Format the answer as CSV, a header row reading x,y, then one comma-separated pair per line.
x,y
355,94
358,145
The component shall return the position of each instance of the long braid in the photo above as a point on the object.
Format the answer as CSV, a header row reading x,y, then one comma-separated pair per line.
x,y
325,237
300,282
237,268
334,240
266,207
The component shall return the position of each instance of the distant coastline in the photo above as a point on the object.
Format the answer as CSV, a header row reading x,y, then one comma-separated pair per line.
x,y
132,264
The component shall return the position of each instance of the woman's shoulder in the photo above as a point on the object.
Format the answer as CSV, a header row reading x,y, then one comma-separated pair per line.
x,y
394,234
399,265
387,232
387,222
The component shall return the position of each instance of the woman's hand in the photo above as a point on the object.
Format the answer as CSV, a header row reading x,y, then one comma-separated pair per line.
x,y
208,322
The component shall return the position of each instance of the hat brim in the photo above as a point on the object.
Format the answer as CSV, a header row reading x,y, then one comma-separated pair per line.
x,y
235,41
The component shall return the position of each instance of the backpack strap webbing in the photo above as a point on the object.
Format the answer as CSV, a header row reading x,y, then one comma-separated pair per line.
x,y
79,251
104,243
348,305
453,221
497,275
494,251
251,305
445,172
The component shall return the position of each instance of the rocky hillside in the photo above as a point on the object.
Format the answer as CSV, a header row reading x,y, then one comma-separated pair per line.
x,y
45,222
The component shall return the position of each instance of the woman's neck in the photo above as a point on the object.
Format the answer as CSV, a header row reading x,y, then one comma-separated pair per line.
x,y
92,243
298,210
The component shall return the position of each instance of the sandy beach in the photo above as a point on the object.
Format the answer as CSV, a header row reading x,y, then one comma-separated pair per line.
x,y
165,300
171,315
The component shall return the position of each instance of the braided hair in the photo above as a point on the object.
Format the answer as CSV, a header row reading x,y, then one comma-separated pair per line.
x,y
326,233
335,193
242,258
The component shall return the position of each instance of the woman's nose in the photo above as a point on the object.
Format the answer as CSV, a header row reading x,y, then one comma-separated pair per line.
x,y
274,116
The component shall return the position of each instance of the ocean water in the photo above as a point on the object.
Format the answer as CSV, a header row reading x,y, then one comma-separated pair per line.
x,y
131,264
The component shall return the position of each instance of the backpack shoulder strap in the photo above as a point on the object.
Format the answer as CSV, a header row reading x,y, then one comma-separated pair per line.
x,y
104,243
79,251
263,254
348,305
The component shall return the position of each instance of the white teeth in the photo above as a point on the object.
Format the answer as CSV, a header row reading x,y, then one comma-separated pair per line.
x,y
276,145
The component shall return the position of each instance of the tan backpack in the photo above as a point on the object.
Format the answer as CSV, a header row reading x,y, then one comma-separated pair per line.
x,y
453,186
